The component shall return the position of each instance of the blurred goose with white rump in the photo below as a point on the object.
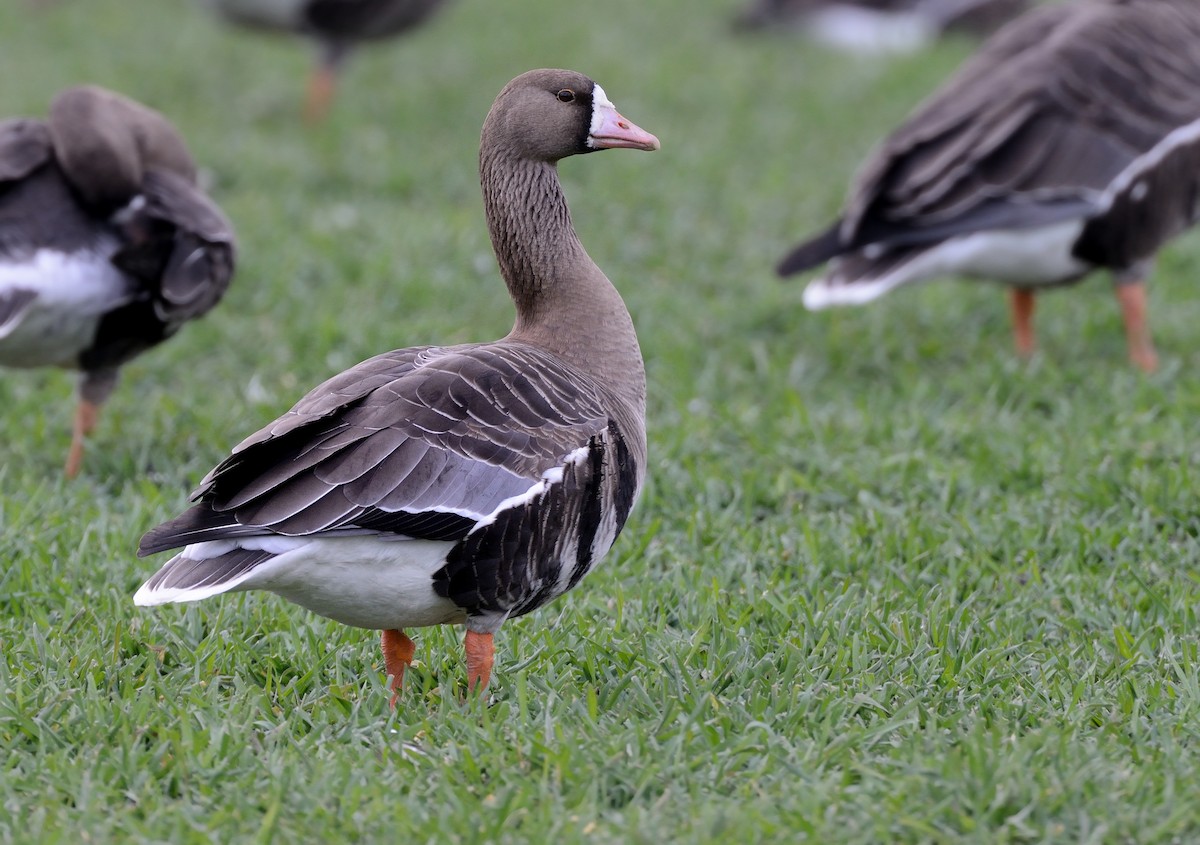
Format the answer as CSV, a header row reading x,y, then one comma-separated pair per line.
x,y
337,26
460,484
874,26
107,245
1070,142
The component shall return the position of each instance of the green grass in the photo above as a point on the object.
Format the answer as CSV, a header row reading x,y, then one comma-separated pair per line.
x,y
886,584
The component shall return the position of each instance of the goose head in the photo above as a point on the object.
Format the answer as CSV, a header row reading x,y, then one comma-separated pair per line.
x,y
550,114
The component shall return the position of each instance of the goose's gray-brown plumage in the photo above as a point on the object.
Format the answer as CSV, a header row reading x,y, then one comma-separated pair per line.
x,y
107,246
450,484
894,25
337,26
1070,142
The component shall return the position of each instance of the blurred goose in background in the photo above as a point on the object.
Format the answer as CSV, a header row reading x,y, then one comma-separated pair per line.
x,y
336,25
107,246
880,25
459,484
1070,142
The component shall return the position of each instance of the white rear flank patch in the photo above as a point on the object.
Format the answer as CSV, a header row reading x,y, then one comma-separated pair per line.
x,y
74,290
363,581
865,31
1030,257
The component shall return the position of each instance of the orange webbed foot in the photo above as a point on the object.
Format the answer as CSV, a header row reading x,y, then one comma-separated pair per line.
x,y
398,652
86,414
1132,299
1021,301
481,651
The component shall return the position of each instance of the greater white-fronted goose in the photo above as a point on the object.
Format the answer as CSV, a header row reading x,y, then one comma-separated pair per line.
x,y
107,246
460,484
873,25
336,25
1070,142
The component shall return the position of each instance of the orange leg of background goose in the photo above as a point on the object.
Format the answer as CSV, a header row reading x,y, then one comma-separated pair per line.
x,y
1021,300
481,650
398,652
1132,298
319,98
85,421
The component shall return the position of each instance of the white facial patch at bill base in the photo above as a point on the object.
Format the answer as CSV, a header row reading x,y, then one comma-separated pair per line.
x,y
600,102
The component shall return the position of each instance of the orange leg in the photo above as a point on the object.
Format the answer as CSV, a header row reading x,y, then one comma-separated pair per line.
x,y
1132,298
85,422
480,653
398,652
319,98
1021,300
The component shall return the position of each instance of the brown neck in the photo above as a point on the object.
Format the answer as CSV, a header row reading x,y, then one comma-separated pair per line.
x,y
565,304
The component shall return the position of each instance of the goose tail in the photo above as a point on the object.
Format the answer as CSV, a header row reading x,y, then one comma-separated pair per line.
x,y
200,571
813,252
857,279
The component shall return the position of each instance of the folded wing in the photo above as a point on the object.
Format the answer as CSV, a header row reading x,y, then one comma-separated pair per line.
x,y
422,443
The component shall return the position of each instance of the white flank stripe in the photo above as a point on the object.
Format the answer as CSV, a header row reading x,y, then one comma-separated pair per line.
x,y
554,475
472,515
1186,134
568,551
511,502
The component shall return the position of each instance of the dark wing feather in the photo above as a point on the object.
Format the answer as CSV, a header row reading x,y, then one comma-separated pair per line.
x,y
352,20
179,247
813,252
25,145
1148,208
528,555
179,244
1042,119
408,443
977,17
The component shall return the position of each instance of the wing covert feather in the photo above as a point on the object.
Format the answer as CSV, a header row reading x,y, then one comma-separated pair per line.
x,y
414,441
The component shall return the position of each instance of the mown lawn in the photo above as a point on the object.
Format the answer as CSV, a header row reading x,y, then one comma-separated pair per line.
x,y
887,584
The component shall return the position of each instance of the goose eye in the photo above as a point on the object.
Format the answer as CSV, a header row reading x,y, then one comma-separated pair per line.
x,y
566,95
